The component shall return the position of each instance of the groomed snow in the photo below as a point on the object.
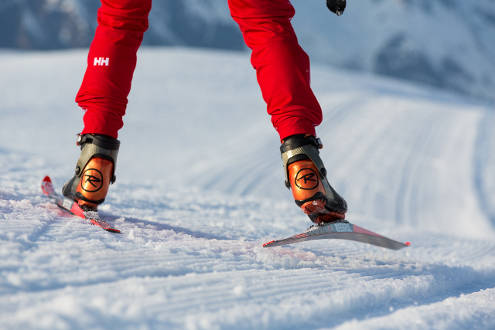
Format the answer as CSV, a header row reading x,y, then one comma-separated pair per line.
x,y
200,188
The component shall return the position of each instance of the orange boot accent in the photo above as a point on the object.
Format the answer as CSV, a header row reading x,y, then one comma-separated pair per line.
x,y
94,182
305,182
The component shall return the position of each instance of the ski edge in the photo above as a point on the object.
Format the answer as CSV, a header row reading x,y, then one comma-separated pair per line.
x,y
356,233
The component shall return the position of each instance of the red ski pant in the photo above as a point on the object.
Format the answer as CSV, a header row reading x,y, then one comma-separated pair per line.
x,y
281,65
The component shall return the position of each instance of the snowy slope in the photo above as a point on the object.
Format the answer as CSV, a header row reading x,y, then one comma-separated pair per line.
x,y
200,188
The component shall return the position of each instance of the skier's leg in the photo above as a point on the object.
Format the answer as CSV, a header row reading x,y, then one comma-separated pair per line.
x,y
111,62
103,94
281,65
283,73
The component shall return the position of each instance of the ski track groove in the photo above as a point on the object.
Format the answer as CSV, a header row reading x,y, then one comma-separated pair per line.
x,y
211,282
213,296
409,170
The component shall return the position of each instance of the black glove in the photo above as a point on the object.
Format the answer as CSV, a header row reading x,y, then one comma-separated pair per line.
x,y
336,6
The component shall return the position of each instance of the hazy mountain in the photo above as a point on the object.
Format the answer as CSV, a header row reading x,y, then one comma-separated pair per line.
x,y
53,24
444,43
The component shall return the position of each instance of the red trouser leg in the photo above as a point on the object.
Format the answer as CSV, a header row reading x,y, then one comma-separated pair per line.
x,y
111,63
281,65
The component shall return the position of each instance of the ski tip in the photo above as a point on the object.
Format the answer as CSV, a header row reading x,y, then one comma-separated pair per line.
x,y
47,186
407,243
267,244
113,230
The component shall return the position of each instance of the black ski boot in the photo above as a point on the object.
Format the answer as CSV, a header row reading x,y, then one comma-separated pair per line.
x,y
95,170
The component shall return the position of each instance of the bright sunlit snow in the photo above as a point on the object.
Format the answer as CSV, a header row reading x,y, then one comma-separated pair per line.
x,y
200,188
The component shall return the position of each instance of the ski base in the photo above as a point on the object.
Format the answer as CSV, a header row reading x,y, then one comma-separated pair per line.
x,y
340,230
73,208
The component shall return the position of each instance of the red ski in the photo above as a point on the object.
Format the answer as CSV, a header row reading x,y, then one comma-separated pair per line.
x,y
340,230
73,208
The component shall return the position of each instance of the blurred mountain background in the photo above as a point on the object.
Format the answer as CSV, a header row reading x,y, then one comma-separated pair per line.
x,y
448,44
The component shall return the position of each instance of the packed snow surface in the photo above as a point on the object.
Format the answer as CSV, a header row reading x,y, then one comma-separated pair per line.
x,y
200,188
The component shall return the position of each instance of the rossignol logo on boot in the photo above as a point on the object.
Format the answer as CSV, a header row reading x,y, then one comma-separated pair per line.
x,y
306,179
101,61
92,180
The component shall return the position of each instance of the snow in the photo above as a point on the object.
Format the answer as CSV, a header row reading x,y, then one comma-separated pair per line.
x,y
200,188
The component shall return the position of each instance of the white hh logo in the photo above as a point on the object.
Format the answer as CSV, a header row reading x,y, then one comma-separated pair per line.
x,y
101,61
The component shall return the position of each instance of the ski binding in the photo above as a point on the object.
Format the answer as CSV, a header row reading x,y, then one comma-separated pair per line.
x,y
73,208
